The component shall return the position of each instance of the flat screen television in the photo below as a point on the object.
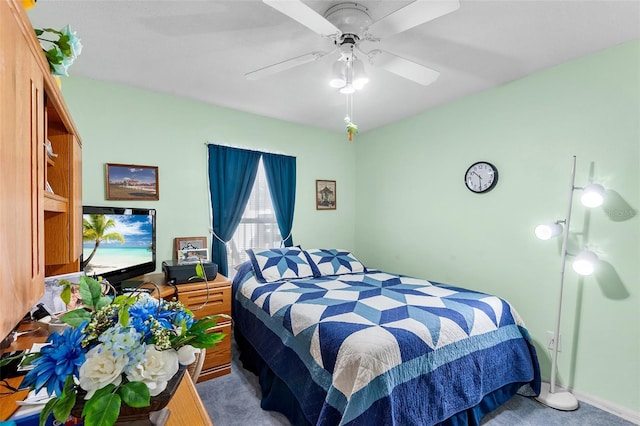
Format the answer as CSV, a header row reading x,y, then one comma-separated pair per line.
x,y
118,243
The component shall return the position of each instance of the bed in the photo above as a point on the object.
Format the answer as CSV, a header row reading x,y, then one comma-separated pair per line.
x,y
335,343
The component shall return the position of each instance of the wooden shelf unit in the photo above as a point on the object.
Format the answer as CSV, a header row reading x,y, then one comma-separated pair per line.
x,y
41,232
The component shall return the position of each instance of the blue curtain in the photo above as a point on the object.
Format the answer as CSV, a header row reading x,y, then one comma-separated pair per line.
x,y
281,178
232,172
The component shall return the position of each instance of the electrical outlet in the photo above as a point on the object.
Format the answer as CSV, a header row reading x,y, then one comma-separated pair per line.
x,y
550,337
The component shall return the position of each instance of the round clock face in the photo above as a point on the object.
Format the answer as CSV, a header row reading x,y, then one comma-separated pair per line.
x,y
481,177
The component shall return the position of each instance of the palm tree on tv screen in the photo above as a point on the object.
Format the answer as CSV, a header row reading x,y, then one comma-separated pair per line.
x,y
95,229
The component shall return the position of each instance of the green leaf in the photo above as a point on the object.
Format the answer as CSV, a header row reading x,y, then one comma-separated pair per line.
x,y
203,324
120,300
105,390
54,55
51,30
90,291
203,341
63,43
47,411
103,301
96,396
135,394
76,317
39,32
102,411
199,270
123,317
26,361
65,403
66,295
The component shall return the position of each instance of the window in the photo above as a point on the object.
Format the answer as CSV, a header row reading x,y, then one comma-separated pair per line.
x,y
258,227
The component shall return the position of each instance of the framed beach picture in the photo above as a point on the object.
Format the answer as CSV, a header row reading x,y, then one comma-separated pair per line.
x,y
325,194
132,182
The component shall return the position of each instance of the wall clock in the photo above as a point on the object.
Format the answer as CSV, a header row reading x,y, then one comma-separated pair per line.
x,y
481,177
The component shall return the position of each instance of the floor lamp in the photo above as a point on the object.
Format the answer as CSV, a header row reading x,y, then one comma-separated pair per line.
x,y
583,264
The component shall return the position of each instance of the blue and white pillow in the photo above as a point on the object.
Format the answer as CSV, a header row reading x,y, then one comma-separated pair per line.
x,y
333,262
279,263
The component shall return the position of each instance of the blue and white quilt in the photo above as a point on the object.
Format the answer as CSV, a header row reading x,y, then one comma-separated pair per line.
x,y
375,348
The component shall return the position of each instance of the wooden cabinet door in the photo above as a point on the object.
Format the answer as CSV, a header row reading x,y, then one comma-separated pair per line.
x,y
21,171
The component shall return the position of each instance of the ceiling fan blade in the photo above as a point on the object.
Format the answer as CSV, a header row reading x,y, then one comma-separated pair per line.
x,y
403,67
412,15
302,13
284,65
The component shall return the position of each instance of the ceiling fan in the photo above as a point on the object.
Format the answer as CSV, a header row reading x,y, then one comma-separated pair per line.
x,y
348,24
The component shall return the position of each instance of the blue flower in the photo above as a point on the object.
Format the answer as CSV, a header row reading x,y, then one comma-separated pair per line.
x,y
179,316
62,358
139,314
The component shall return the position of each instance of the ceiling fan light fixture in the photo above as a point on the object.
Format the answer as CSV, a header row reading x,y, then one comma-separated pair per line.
x,y
360,78
338,79
348,89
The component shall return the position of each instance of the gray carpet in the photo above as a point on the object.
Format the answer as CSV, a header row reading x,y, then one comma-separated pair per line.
x,y
234,400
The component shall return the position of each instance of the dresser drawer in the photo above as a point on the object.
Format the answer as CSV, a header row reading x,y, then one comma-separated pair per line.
x,y
217,361
219,301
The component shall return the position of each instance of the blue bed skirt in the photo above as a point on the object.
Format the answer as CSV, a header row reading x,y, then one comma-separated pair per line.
x,y
276,395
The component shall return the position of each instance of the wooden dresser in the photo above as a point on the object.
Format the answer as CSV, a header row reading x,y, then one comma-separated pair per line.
x,y
194,296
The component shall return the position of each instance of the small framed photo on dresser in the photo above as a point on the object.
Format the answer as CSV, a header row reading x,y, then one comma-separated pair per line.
x,y
325,194
191,249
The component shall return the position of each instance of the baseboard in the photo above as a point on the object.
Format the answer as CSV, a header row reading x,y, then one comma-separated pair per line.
x,y
608,406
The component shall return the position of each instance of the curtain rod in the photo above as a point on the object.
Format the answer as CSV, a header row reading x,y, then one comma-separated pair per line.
x,y
249,149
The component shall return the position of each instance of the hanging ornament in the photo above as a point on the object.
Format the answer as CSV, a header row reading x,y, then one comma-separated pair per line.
x,y
352,129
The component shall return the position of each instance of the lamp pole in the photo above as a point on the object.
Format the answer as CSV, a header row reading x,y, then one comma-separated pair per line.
x,y
548,396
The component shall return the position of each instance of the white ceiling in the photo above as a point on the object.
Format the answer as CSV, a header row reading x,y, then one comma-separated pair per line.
x,y
202,49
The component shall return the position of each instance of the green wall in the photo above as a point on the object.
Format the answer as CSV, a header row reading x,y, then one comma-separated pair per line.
x,y
120,124
411,212
415,216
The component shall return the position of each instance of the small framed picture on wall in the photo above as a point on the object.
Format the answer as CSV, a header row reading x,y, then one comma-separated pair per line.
x,y
325,194
132,182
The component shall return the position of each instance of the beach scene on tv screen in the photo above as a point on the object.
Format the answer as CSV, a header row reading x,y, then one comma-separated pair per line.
x,y
112,242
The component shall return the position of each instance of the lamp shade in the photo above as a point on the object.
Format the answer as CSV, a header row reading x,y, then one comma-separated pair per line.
x,y
338,79
360,78
547,231
348,89
585,263
592,195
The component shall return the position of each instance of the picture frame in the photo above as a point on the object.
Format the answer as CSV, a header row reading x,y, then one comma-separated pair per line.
x,y
326,195
187,256
131,182
190,249
52,291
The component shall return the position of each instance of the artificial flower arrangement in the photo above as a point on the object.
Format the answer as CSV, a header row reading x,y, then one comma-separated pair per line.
x,y
62,52
118,350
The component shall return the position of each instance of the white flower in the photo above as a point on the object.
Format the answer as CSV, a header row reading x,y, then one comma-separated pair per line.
x,y
157,369
101,368
187,354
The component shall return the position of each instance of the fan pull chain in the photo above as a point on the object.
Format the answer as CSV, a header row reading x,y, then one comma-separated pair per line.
x,y
352,129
